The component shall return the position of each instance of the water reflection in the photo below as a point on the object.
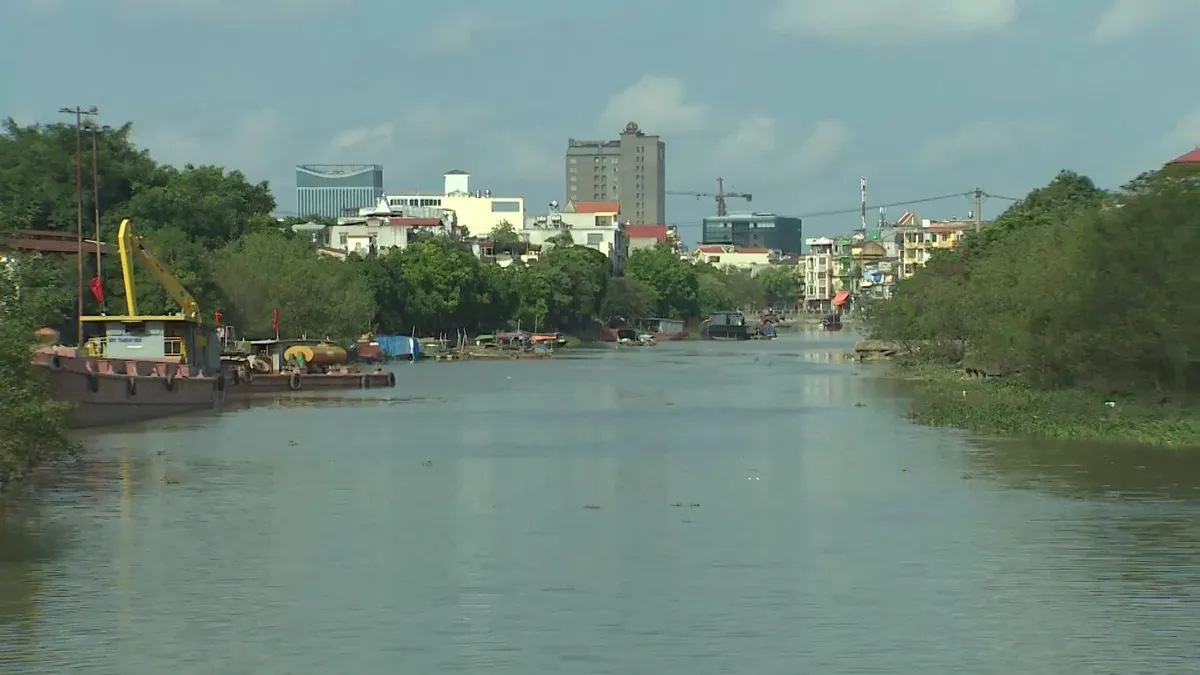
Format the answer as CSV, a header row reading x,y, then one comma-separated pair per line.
x,y
29,539
522,518
1091,470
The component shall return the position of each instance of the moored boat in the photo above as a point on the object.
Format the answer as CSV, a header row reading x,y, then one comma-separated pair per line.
x,y
725,325
135,367
275,365
660,330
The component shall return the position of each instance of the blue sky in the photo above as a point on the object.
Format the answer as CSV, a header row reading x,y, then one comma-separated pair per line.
x,y
791,100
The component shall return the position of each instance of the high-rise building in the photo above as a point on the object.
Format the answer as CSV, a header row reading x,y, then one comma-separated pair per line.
x,y
328,190
766,230
630,170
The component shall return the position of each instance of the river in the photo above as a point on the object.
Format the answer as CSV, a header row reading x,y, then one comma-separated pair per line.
x,y
692,508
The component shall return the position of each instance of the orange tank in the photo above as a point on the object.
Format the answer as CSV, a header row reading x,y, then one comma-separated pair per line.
x,y
318,355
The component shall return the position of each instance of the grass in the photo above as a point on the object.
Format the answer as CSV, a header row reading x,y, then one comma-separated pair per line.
x,y
943,397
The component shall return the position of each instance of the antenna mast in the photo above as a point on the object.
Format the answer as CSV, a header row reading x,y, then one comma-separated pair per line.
x,y
862,183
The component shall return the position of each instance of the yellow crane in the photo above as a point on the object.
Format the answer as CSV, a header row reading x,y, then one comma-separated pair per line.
x,y
130,244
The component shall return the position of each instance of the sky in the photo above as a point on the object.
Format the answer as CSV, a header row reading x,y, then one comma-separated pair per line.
x,y
790,100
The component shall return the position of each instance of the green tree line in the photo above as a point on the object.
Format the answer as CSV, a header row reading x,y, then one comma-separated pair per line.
x,y
1072,287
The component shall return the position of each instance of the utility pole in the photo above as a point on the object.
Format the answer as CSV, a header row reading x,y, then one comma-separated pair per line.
x,y
79,112
96,210
978,209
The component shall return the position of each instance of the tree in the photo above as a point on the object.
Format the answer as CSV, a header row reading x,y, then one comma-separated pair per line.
x,y
782,285
32,422
1071,287
626,298
504,234
315,295
563,238
673,283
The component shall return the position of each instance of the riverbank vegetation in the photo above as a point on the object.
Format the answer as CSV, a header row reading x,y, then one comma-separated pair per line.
x,y
1081,304
32,423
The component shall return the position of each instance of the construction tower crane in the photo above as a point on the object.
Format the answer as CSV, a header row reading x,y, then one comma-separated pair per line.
x,y
720,196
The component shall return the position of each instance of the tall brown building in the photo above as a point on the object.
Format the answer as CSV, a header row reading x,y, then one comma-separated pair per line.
x,y
630,170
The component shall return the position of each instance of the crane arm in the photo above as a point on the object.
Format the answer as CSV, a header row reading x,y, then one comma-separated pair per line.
x,y
131,245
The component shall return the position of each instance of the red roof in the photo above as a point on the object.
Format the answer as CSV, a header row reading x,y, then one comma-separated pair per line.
x,y
597,207
655,232
417,222
1192,157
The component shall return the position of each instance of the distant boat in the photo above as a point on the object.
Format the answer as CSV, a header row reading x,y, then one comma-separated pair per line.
x,y
725,325
832,322
660,329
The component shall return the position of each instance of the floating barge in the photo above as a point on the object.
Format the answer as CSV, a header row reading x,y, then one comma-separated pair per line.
x,y
271,366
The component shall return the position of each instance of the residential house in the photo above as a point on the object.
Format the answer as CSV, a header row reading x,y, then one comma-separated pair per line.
x,y
919,243
371,229
476,212
591,224
749,258
646,236
817,267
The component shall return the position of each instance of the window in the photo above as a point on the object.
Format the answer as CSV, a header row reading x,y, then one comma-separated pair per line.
x,y
595,238
344,240
506,206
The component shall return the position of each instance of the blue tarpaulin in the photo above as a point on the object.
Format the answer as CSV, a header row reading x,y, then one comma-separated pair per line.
x,y
398,346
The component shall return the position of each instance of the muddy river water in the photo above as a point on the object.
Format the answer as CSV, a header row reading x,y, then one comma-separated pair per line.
x,y
690,508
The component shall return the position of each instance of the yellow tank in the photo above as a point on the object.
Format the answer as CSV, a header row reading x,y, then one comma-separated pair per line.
x,y
318,355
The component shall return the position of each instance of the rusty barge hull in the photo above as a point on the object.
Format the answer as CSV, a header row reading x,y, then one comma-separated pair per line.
x,y
111,398
273,383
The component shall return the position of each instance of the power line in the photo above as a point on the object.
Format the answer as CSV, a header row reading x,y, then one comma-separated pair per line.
x,y
858,209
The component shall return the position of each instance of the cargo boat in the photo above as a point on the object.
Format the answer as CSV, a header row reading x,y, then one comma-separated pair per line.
x,y
271,366
725,325
659,330
134,367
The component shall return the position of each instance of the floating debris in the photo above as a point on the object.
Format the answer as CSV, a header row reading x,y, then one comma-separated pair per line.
x,y
590,506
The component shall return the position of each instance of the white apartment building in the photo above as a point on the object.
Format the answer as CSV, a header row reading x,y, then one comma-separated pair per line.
x,y
476,211
818,270
597,230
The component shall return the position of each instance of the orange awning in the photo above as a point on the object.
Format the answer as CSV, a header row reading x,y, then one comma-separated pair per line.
x,y
841,297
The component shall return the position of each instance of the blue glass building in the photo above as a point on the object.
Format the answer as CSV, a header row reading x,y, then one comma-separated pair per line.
x,y
327,190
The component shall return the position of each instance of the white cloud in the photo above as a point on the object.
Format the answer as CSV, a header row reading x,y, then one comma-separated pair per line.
x,y
279,9
983,137
44,6
458,32
750,141
361,138
1185,135
530,160
252,148
1126,18
823,145
658,104
432,120
892,21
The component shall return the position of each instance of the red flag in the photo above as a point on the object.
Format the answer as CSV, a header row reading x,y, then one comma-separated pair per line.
x,y
216,316
274,318
97,288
